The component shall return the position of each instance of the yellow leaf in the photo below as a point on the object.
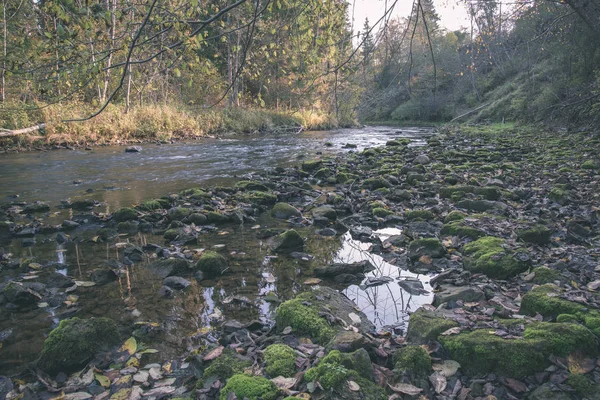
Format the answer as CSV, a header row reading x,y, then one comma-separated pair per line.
x,y
133,362
102,380
130,346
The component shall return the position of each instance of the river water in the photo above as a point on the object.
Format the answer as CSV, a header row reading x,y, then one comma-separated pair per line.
x,y
173,325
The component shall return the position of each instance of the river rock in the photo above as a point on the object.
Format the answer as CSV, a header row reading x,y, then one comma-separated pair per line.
x,y
36,207
176,282
449,293
347,341
6,386
285,211
429,247
21,296
412,286
212,264
168,267
103,276
481,205
178,213
422,159
325,212
133,149
422,229
288,242
336,269
58,280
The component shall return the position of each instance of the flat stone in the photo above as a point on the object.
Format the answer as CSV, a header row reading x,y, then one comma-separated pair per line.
x,y
464,293
141,377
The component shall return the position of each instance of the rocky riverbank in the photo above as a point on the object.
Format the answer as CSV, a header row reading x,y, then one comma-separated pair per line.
x,y
505,227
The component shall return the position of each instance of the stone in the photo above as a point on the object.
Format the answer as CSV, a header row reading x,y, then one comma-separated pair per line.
x,y
334,269
548,392
176,282
133,149
285,211
288,242
325,212
21,296
481,205
103,276
425,326
412,286
58,280
347,341
422,159
489,256
169,266
449,293
178,213
212,264
430,247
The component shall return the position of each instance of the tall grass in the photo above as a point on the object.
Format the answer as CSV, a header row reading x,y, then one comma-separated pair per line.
x,y
147,123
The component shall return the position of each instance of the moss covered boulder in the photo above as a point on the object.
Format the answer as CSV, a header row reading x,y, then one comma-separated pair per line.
x,y
482,351
125,214
325,212
489,193
375,183
226,365
424,215
212,264
426,247
215,217
537,234
288,242
249,387
458,228
543,275
252,185
285,211
304,318
381,212
425,326
412,361
75,341
546,301
280,360
488,256
258,198
178,213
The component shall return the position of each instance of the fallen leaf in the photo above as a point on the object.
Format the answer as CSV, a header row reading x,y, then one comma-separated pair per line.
x,y
447,368
405,388
451,331
515,385
284,383
214,353
579,364
148,351
425,260
353,386
85,283
438,381
130,346
312,281
102,380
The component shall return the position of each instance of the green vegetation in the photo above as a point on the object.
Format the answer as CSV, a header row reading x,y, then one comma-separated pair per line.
x,y
211,263
226,365
488,256
425,326
545,300
425,215
412,360
545,275
381,212
537,234
125,214
459,229
250,387
280,360
303,319
75,341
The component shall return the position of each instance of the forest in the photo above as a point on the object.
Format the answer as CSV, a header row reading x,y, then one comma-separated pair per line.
x,y
197,67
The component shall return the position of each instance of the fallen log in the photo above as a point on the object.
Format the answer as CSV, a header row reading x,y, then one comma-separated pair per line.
x,y
15,132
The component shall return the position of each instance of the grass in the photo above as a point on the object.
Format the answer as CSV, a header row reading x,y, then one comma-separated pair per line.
x,y
146,123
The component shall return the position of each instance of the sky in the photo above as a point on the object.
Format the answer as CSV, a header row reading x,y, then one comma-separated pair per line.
x,y
452,13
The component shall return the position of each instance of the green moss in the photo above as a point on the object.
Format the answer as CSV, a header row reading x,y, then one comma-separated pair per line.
x,y
461,230
178,213
481,352
489,193
217,218
309,166
337,367
125,214
303,319
582,385
171,234
545,275
425,326
396,142
412,360
454,216
537,234
425,215
75,341
226,365
567,318
252,185
330,376
375,183
559,195
211,263
284,211
250,387
545,300
322,173
280,360
425,247
486,255
561,339
589,164
150,205
287,242
258,198
381,212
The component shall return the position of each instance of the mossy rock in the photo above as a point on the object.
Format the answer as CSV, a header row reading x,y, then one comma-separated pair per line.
x,y
461,230
128,227
584,386
559,195
424,215
482,351
425,326
486,255
150,205
395,143
381,212
125,214
323,173
75,341
214,217
537,234
226,365
309,166
82,204
197,218
337,367
413,361
303,318
375,183
325,212
280,360
545,275
252,185
489,193
36,207
258,198
288,242
545,300
590,164
284,211
249,387
171,234
212,264
426,247
178,213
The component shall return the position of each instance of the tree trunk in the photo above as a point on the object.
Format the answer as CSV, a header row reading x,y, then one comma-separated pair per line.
x,y
15,132
5,31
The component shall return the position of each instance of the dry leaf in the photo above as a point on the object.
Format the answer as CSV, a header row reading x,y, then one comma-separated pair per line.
x,y
451,331
214,353
130,346
405,388
353,386
447,368
579,364
425,260
438,381
312,281
284,383
102,380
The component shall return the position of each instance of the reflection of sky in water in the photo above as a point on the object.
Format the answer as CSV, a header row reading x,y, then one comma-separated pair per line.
x,y
386,304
